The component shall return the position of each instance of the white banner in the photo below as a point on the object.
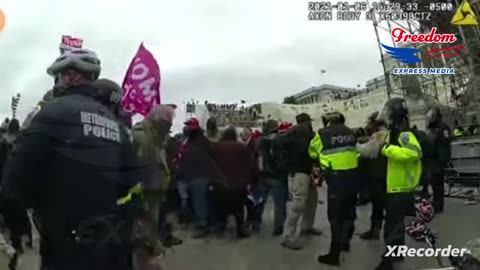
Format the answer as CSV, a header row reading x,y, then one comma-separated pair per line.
x,y
69,43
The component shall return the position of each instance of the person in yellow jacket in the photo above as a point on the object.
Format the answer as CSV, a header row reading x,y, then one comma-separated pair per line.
x,y
404,169
334,147
457,129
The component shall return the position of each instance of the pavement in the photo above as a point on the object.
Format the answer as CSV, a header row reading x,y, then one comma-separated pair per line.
x,y
457,225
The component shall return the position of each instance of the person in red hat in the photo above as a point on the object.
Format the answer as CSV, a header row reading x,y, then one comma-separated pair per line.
x,y
284,127
192,124
198,167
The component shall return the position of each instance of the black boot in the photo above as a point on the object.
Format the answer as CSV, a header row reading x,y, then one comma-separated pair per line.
x,y
167,238
333,256
171,241
243,232
329,259
385,264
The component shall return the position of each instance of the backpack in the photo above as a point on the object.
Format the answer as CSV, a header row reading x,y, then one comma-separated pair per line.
x,y
281,152
265,159
273,155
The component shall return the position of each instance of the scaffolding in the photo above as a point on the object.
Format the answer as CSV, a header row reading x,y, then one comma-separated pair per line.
x,y
440,89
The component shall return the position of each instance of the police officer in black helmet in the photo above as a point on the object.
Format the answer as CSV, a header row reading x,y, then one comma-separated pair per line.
x,y
334,147
403,152
441,138
71,166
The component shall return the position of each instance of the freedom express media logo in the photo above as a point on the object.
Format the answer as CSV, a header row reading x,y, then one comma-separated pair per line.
x,y
411,55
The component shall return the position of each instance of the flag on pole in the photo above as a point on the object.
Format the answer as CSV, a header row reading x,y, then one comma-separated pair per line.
x,y
14,105
141,83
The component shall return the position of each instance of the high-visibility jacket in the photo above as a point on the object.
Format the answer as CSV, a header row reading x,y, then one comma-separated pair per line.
x,y
457,132
404,163
334,146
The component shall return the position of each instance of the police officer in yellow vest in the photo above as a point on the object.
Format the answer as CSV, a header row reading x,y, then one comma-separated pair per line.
x,y
404,168
334,146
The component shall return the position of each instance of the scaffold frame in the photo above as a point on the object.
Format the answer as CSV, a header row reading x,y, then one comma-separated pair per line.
x,y
440,88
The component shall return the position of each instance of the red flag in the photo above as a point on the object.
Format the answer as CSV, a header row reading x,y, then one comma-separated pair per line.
x,y
142,83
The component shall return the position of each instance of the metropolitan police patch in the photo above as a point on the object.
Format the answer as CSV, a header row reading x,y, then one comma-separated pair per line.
x,y
405,139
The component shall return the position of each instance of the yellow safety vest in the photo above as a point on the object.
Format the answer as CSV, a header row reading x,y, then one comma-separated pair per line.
x,y
340,156
404,163
457,132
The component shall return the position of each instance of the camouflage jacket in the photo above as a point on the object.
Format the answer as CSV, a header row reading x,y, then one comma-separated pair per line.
x,y
150,146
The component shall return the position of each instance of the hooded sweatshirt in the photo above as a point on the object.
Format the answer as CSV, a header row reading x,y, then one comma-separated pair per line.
x,y
149,139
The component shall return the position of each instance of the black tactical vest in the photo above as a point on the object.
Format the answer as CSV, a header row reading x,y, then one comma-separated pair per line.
x,y
337,138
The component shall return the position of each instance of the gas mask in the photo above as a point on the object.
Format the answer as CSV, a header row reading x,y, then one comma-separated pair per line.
x,y
394,113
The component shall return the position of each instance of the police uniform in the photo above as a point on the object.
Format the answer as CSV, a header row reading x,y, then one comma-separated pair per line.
x,y
70,166
334,146
442,139
403,176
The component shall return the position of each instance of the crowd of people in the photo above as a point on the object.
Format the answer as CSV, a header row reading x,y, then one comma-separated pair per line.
x,y
93,180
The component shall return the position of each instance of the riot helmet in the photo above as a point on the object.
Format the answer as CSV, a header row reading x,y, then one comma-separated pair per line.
x,y
333,118
372,117
394,113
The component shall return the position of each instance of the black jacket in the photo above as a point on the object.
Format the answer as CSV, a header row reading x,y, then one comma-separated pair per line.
x,y
198,161
441,139
273,155
71,165
7,144
301,162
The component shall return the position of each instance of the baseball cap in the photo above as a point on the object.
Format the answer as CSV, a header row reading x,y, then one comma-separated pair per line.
x,y
302,118
192,123
285,126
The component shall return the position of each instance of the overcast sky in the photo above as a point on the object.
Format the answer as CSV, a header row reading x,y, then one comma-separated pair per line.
x,y
218,50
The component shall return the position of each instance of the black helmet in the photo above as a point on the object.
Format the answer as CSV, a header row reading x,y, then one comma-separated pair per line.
x,y
394,112
433,117
333,118
108,92
372,117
